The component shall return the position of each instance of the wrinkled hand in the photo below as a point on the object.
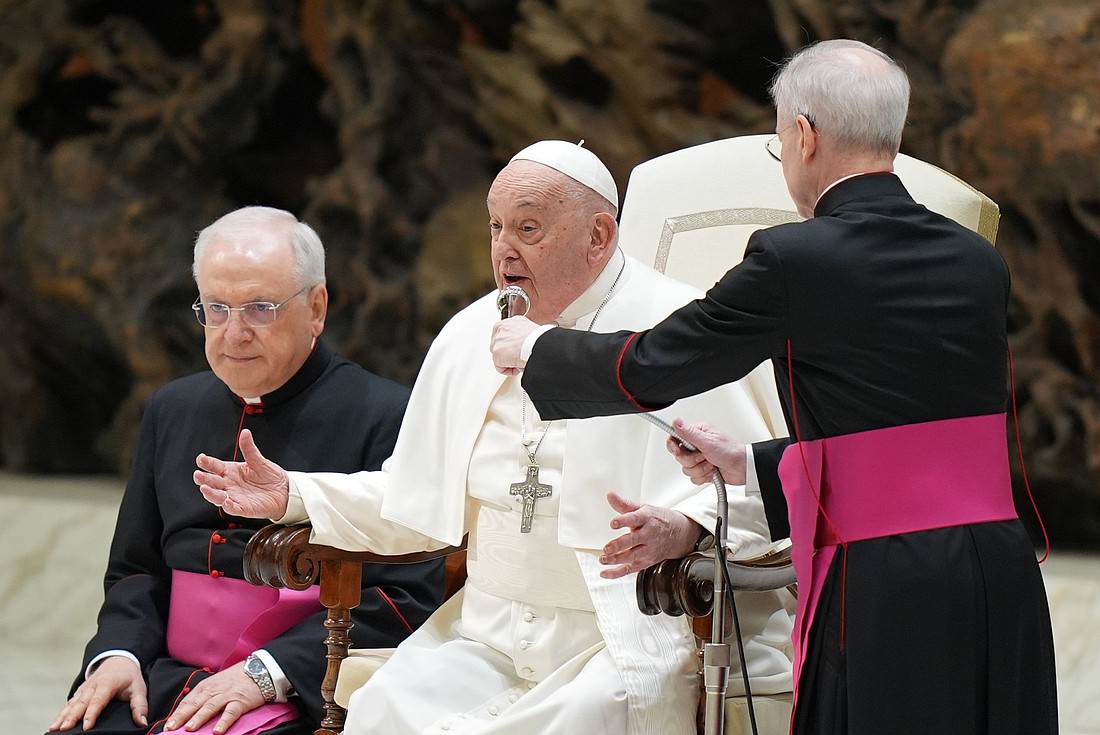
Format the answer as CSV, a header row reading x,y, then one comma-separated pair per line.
x,y
715,450
655,534
229,693
254,488
114,677
507,342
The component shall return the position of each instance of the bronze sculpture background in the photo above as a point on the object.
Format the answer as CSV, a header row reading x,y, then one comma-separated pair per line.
x,y
127,125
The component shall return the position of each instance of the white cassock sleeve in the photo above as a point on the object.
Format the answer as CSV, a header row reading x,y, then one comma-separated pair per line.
x,y
345,512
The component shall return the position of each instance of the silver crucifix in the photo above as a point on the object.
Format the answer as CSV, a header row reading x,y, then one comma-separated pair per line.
x,y
530,490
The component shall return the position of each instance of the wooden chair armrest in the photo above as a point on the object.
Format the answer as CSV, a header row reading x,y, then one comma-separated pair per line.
x,y
686,585
283,557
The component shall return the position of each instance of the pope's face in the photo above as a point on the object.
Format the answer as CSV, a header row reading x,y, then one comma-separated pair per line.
x,y
541,241
255,360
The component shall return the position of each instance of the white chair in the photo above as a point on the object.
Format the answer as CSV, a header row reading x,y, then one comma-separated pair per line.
x,y
689,213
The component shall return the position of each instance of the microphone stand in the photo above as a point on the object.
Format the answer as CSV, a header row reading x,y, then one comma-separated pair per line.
x,y
716,654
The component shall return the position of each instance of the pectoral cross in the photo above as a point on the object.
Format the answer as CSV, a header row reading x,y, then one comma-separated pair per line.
x,y
530,490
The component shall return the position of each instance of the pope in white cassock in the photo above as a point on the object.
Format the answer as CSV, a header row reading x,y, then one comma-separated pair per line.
x,y
546,636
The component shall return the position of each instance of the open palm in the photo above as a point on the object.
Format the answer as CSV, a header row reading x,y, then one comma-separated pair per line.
x,y
254,488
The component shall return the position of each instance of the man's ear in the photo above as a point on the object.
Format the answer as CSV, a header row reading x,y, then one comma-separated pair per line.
x,y
601,237
318,307
807,138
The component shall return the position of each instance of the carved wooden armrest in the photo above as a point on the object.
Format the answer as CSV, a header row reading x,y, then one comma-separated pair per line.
x,y
685,586
283,557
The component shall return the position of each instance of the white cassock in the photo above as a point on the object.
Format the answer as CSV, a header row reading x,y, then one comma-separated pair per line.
x,y
537,641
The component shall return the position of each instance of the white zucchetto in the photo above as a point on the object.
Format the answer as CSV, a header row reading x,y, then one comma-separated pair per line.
x,y
576,162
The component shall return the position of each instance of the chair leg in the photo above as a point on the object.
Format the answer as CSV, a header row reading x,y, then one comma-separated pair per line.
x,y
341,591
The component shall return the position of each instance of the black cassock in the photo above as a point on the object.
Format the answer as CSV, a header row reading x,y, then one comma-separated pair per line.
x,y
330,416
894,316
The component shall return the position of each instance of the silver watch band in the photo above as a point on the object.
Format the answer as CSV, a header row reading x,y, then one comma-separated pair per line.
x,y
257,671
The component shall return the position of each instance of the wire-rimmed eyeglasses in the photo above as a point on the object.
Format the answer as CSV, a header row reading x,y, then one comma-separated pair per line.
x,y
255,313
774,146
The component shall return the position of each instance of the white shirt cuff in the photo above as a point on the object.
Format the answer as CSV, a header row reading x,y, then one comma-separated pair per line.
x,y
295,507
752,482
94,663
529,343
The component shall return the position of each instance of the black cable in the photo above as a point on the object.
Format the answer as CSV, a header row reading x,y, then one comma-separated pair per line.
x,y
720,558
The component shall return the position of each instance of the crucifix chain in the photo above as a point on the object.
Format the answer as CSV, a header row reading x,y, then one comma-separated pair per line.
x,y
530,490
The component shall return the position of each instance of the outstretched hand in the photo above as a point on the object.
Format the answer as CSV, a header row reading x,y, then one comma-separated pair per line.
x,y
656,533
254,488
716,450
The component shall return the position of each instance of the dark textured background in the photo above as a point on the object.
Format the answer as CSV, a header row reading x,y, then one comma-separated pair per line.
x,y
127,125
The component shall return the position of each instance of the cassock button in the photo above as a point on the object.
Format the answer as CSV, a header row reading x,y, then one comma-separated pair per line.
x,y
525,644
493,711
528,617
217,538
215,573
527,671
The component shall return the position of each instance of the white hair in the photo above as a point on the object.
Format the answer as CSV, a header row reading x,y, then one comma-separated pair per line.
x,y
859,105
309,253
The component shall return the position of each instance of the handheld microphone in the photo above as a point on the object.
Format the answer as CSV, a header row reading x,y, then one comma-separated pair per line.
x,y
509,299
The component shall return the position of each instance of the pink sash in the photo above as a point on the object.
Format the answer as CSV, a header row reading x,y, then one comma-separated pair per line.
x,y
215,622
886,482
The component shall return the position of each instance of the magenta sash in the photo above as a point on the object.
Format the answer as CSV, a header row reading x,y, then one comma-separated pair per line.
x,y
886,482
215,622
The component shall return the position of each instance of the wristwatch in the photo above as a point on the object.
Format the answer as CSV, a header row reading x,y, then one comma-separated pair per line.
x,y
257,671
705,542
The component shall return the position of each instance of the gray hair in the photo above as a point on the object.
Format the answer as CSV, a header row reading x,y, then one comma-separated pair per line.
x,y
859,106
584,198
588,201
309,253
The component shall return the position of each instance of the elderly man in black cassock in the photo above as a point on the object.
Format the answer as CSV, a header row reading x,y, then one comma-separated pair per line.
x,y
183,641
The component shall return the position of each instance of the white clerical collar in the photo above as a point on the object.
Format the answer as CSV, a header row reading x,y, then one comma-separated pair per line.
x,y
595,294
